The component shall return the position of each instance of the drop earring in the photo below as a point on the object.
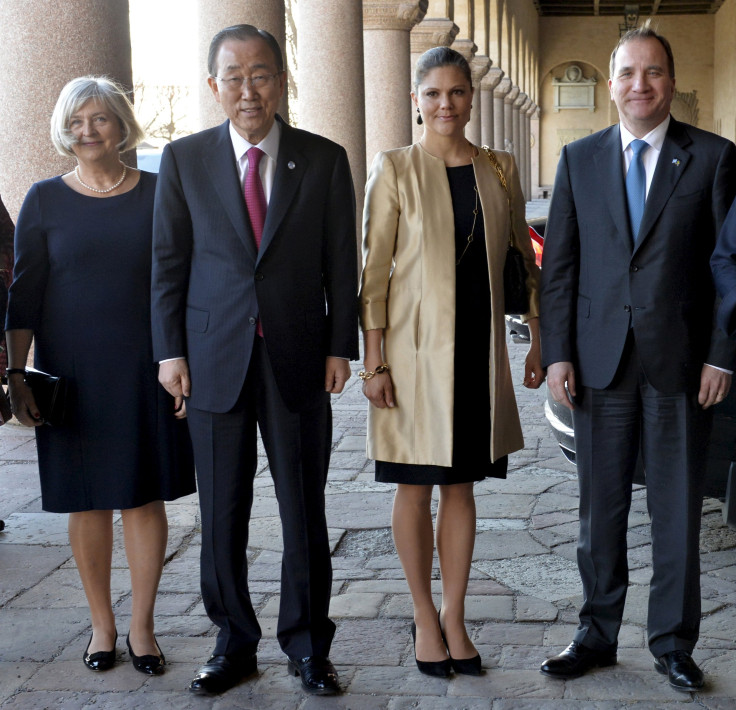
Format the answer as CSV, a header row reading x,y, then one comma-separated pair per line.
x,y
419,117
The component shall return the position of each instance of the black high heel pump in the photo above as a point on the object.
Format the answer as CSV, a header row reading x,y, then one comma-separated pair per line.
x,y
439,669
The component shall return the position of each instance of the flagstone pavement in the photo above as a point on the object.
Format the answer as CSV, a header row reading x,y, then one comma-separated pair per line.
x,y
521,605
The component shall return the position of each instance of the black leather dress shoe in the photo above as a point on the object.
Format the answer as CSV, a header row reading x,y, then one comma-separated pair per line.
x,y
682,672
576,660
221,673
318,675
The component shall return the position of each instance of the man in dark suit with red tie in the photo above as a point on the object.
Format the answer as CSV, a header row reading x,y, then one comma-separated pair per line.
x,y
254,321
625,303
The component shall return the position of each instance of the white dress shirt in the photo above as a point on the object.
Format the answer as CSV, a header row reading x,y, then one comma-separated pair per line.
x,y
267,168
655,139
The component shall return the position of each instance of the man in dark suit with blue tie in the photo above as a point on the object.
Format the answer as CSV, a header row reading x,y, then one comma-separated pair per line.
x,y
626,295
254,321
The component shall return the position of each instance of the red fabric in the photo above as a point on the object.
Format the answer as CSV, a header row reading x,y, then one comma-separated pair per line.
x,y
255,201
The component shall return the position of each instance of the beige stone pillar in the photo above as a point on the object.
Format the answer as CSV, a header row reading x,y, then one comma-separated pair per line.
x,y
430,32
388,114
534,112
330,61
44,45
526,119
487,86
479,67
499,113
215,15
516,126
508,119
523,142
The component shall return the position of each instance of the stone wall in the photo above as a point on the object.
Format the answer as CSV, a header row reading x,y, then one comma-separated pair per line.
x,y
724,100
588,42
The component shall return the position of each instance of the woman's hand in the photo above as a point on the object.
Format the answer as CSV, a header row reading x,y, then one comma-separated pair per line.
x,y
22,402
379,390
533,372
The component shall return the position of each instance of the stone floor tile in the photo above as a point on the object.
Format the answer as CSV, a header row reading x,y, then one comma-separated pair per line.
x,y
356,605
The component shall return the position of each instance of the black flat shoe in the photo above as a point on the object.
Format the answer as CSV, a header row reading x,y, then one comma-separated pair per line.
x,y
577,660
221,673
150,664
101,660
464,666
682,672
317,674
439,669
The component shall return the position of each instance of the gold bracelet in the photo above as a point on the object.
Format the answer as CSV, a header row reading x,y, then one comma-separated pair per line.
x,y
372,373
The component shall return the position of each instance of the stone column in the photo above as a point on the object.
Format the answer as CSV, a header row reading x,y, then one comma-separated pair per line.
x,y
523,144
44,46
516,125
487,86
499,113
331,98
534,112
528,109
508,119
388,114
430,32
479,67
215,15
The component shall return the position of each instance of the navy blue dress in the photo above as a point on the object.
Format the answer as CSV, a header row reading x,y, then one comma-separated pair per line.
x,y
82,284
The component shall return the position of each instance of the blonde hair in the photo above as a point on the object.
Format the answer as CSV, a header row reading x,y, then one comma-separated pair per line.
x,y
93,88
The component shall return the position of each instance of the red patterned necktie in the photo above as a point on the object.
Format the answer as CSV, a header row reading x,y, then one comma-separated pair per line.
x,y
255,198
255,201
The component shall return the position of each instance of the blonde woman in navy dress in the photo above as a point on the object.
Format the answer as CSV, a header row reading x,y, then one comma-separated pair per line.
x,y
442,410
81,292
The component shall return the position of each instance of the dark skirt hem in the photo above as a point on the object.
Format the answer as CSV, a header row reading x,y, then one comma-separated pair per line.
x,y
426,475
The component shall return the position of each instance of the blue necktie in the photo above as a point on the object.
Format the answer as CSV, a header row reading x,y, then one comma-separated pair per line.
x,y
636,186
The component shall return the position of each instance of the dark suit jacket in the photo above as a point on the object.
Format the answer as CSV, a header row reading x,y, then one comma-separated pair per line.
x,y
209,284
595,283
723,263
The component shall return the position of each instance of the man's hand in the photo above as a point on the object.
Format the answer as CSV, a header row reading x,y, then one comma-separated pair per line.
x,y
559,374
714,386
174,376
337,373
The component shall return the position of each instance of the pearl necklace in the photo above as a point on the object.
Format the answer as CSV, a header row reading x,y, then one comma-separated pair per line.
x,y
94,189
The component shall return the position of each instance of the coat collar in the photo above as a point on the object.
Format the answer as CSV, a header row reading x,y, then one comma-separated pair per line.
x,y
609,170
673,160
222,172
219,161
290,169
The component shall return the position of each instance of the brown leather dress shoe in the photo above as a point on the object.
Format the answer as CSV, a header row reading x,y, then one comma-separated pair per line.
x,y
221,673
317,673
576,660
682,672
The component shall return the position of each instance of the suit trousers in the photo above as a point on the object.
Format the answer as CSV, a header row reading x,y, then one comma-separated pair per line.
x,y
612,426
298,448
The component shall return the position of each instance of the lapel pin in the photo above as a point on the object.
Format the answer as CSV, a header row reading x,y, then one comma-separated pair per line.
x,y
675,161
291,165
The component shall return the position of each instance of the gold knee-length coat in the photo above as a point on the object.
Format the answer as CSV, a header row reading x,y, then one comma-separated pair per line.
x,y
408,289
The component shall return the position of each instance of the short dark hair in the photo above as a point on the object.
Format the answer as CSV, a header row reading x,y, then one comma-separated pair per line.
x,y
644,32
440,57
242,33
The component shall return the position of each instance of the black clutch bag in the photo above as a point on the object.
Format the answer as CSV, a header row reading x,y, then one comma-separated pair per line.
x,y
515,295
50,395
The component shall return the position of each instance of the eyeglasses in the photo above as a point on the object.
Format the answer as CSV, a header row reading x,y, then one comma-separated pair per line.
x,y
235,83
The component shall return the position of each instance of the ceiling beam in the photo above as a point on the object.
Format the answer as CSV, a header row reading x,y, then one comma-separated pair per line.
x,y
596,6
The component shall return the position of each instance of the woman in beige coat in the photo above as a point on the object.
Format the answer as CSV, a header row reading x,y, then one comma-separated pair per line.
x,y
442,409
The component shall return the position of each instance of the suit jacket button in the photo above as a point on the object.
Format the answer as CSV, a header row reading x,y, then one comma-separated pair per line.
x,y
259,276
252,320
627,309
634,268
